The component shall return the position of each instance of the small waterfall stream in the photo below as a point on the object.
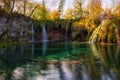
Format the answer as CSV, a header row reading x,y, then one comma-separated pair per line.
x,y
44,40
32,29
66,36
94,37
32,33
44,35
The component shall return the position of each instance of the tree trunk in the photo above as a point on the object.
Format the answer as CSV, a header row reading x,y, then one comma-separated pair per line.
x,y
13,5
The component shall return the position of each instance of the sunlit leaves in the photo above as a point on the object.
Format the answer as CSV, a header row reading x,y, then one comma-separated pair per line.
x,y
104,33
7,5
69,14
95,8
41,13
75,13
108,31
54,15
77,9
117,10
60,7
0,4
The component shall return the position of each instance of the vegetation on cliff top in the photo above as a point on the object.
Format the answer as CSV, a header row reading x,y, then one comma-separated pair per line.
x,y
101,23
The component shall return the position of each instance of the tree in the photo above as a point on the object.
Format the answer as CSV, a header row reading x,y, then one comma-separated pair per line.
x,y
1,4
69,14
40,13
76,12
13,5
54,15
7,5
117,10
95,8
77,9
60,7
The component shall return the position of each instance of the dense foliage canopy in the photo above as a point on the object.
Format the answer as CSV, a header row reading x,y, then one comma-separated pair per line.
x,y
100,22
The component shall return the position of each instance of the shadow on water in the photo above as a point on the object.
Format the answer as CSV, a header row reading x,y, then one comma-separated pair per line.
x,y
60,61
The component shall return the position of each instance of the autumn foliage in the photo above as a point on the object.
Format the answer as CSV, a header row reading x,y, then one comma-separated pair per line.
x,y
97,20
54,15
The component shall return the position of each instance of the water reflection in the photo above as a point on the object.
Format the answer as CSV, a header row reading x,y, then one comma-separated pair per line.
x,y
18,74
66,71
32,49
61,61
44,46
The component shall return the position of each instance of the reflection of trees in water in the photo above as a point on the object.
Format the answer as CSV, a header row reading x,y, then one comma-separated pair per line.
x,y
67,70
91,64
117,57
73,70
103,64
7,55
32,69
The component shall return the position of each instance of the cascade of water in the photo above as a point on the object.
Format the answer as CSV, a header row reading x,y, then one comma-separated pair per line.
x,y
44,35
66,36
32,29
95,33
44,40
31,39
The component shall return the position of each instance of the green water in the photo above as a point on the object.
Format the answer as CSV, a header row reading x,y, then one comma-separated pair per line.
x,y
60,61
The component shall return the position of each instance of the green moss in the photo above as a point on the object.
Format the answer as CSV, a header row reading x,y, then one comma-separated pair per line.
x,y
74,35
4,44
111,38
7,44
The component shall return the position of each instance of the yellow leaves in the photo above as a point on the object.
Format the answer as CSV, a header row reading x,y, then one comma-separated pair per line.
x,y
87,23
117,10
75,13
42,8
0,3
40,13
54,15
95,8
69,14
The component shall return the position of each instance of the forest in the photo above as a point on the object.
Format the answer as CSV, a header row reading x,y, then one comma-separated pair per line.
x,y
92,23
80,41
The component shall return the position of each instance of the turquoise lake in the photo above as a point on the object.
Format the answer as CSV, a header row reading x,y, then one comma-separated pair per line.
x,y
60,61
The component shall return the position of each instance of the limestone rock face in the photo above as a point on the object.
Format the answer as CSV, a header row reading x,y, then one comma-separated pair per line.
x,y
14,27
57,35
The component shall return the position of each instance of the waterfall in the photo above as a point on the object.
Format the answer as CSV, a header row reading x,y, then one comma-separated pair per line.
x,y
66,36
31,39
95,35
44,35
44,40
93,38
32,29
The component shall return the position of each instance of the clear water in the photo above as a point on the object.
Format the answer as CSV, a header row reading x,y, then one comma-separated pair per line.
x,y
60,61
